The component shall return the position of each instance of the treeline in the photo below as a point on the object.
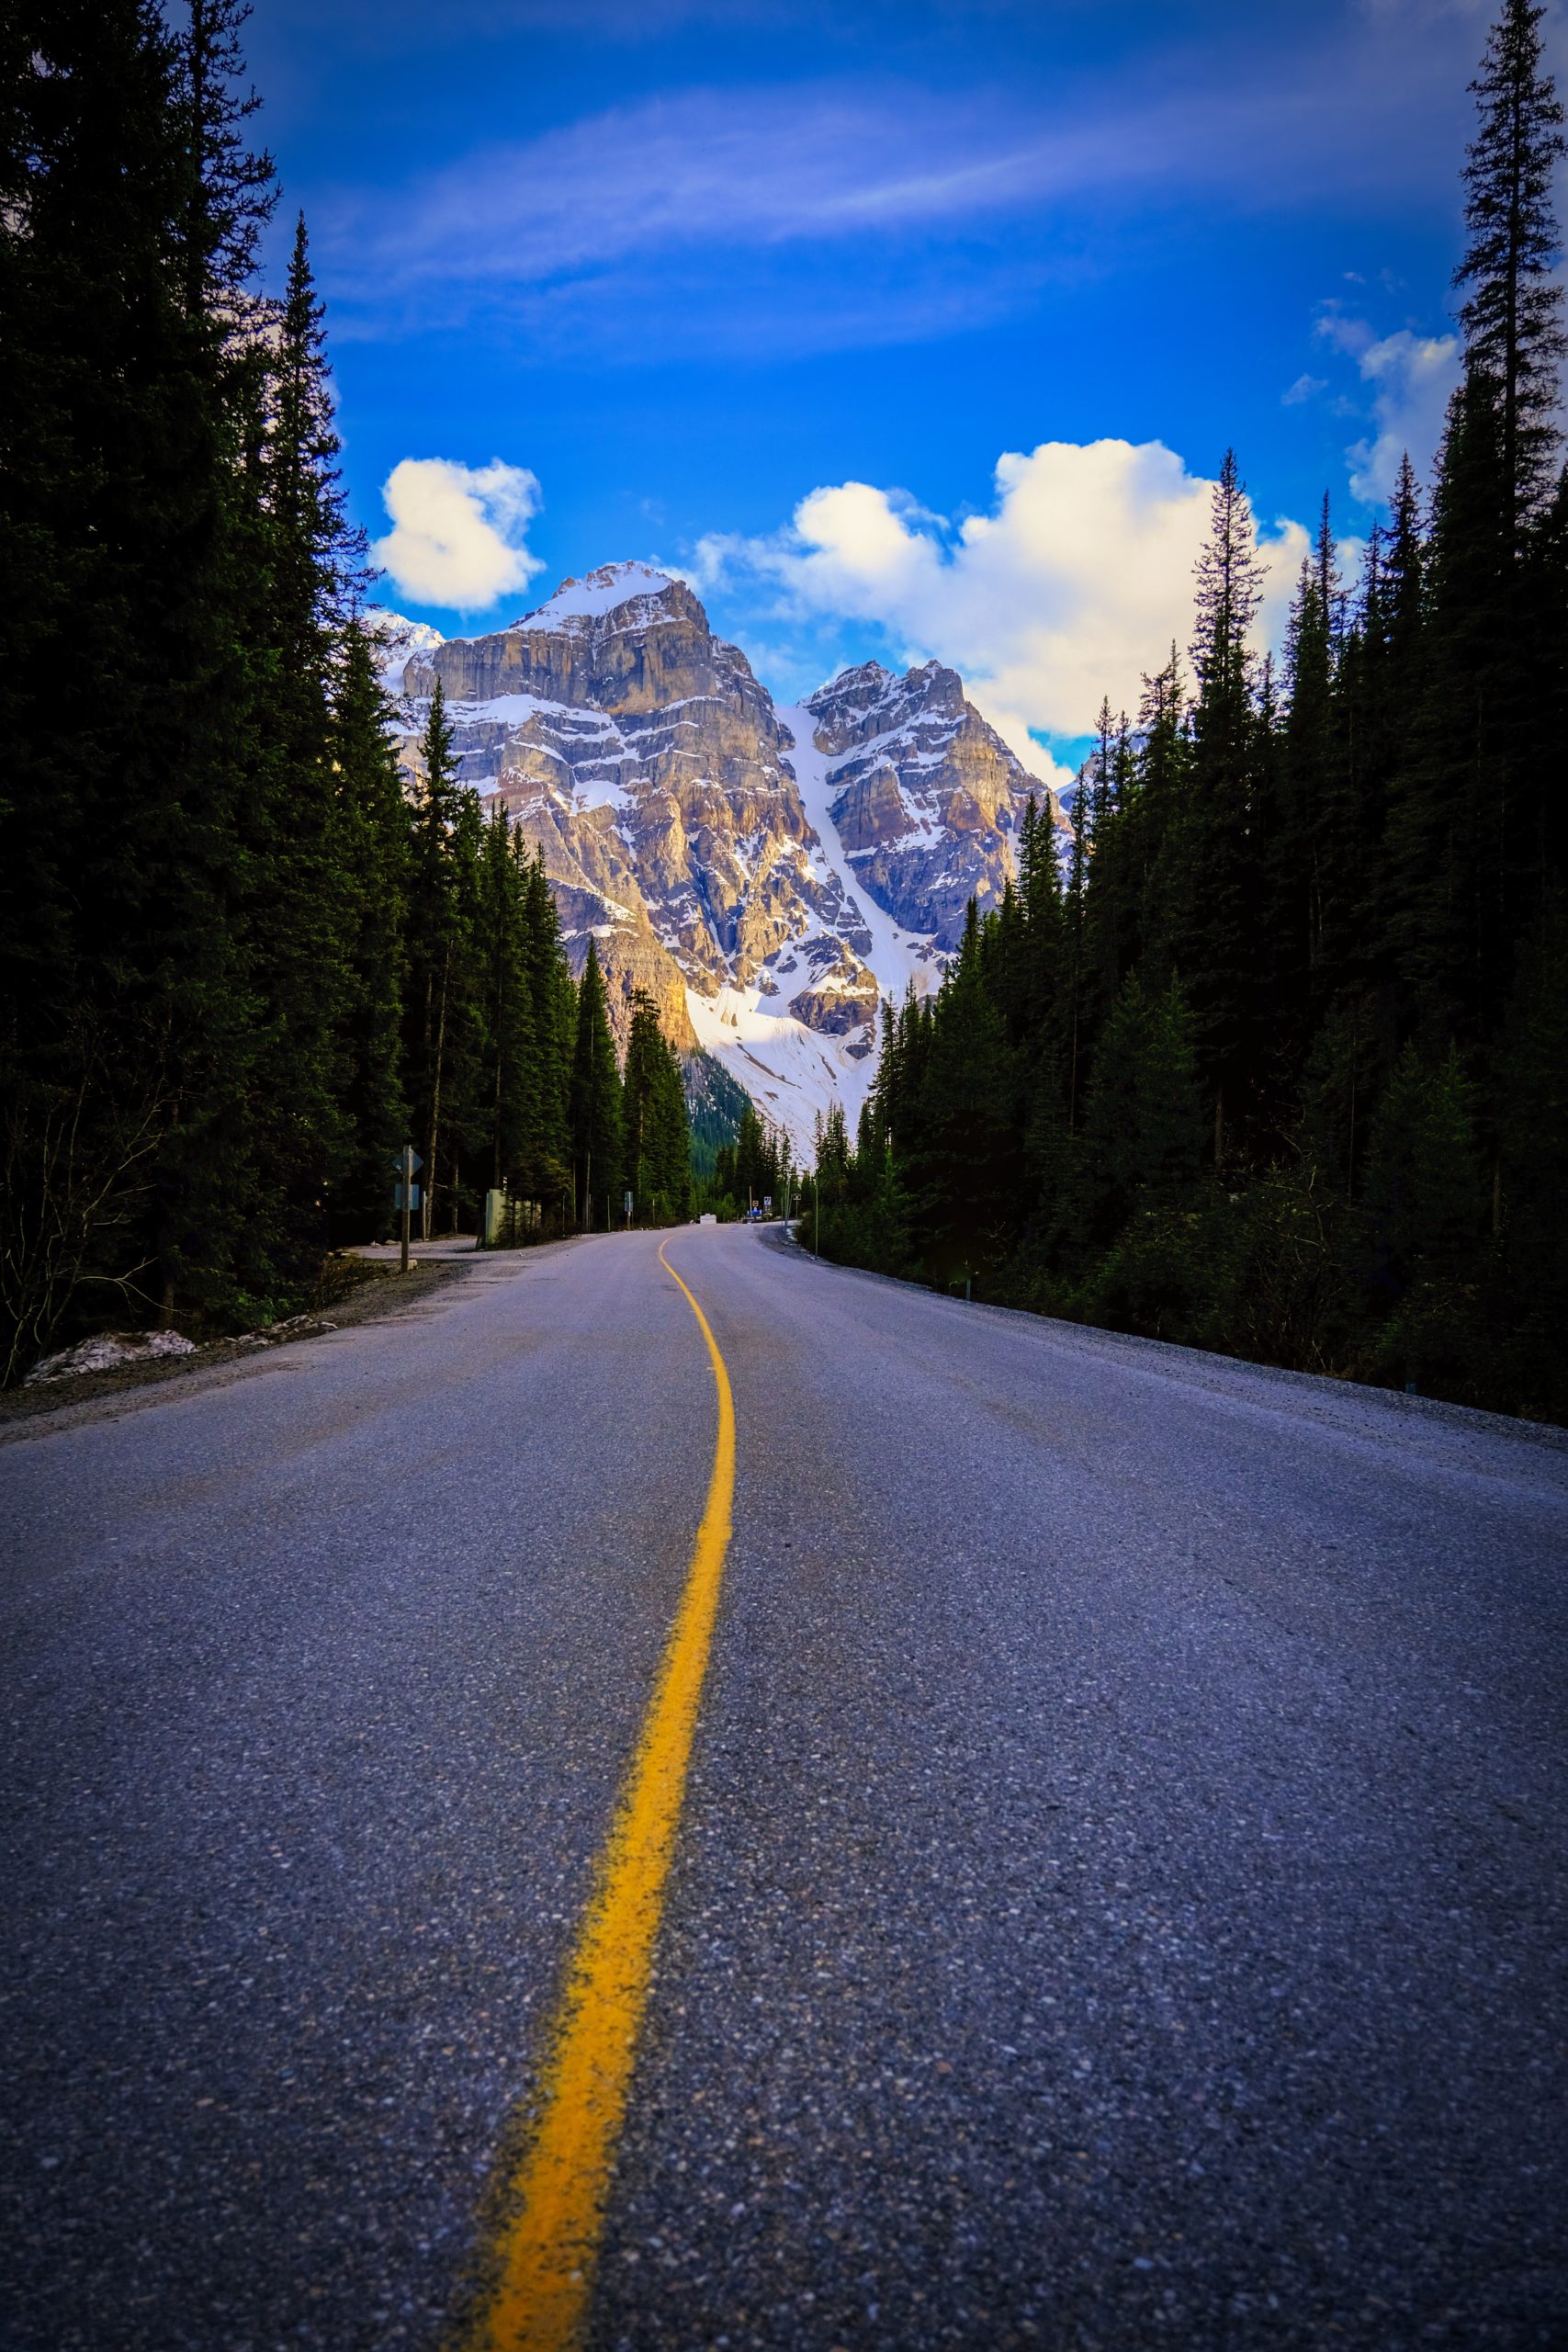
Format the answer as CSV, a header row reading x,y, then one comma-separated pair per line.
x,y
510,1075
239,968
1281,1065
754,1172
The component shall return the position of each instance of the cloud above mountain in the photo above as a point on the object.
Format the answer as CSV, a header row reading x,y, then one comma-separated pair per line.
x,y
459,533
1070,585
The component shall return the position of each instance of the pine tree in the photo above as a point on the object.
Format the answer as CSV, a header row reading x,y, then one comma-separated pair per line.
x,y
595,1100
964,1164
544,1173
1217,954
435,950
1159,851
373,843
302,888
511,1041
1513,312
656,1131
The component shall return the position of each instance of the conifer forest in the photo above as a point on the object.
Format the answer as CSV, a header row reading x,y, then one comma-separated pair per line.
x,y
1279,1063
243,968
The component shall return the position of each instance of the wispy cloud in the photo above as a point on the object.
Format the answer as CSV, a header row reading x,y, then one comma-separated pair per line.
x,y
1305,388
718,179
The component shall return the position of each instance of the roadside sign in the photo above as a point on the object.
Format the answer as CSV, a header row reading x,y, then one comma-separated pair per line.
x,y
626,1204
767,1200
411,1159
412,1200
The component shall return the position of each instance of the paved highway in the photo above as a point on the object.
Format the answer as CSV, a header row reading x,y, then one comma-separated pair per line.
x,y
1115,1894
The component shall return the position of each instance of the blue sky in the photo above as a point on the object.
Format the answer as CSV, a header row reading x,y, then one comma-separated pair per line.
x,y
769,292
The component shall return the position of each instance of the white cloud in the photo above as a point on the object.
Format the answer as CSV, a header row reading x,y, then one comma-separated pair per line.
x,y
1073,584
458,532
1412,376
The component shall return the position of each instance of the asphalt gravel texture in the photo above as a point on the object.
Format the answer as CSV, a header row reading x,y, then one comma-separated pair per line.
x,y
1119,1897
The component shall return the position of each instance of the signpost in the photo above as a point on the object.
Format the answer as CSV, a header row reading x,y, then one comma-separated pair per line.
x,y
406,1197
627,1199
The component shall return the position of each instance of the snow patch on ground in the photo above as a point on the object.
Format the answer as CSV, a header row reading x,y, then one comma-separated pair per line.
x,y
106,1351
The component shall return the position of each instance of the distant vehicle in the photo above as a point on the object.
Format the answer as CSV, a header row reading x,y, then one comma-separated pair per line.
x,y
707,1217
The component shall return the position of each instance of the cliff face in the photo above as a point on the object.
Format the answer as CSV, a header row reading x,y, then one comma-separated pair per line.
x,y
766,875
925,797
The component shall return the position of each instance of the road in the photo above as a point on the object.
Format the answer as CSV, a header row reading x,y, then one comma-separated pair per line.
x,y
1117,1898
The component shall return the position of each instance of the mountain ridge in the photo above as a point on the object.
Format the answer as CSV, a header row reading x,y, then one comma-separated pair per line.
x,y
766,873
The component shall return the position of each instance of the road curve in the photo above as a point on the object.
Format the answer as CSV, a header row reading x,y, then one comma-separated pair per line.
x,y
1119,1891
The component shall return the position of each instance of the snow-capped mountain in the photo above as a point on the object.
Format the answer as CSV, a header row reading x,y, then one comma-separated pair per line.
x,y
925,798
396,641
768,874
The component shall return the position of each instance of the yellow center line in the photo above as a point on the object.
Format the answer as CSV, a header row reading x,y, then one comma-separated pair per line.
x,y
545,2252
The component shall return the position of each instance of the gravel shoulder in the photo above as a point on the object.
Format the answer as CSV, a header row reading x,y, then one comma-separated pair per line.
x,y
384,1291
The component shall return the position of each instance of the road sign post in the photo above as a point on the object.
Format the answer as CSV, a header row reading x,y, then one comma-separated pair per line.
x,y
627,1201
407,1194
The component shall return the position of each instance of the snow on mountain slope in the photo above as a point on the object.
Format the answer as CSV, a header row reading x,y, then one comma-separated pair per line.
x,y
604,591
925,797
397,641
767,875
794,1067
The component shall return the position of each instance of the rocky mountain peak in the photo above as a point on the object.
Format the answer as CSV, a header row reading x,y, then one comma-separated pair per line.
x,y
396,641
766,875
580,603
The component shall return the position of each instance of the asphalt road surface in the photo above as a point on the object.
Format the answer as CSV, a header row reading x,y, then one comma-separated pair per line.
x,y
1119,1897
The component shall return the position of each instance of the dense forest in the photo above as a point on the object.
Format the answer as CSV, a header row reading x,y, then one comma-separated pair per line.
x,y
1279,1065
239,966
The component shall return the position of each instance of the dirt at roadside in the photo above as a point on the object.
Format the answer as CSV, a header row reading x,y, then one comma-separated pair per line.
x,y
352,1290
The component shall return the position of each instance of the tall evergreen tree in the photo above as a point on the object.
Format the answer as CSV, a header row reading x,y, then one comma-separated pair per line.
x,y
545,1170
1217,955
656,1130
371,833
511,1040
595,1100
1513,311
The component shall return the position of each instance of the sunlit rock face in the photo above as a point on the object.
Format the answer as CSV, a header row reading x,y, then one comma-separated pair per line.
x,y
641,754
766,876
925,797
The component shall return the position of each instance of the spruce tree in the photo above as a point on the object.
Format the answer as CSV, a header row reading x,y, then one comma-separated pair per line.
x,y
372,837
545,1170
301,913
595,1100
1217,953
511,1041
656,1130
1513,311
436,949
965,1164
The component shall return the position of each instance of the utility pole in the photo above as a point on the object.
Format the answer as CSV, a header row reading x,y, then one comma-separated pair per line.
x,y
816,1218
